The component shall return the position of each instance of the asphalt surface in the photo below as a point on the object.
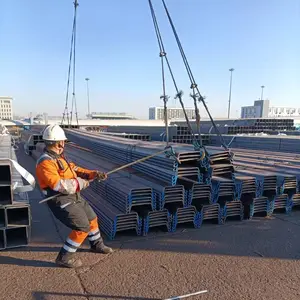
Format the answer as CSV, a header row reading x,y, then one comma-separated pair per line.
x,y
257,259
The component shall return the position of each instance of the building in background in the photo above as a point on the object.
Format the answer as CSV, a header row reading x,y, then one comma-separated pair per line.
x,y
262,109
6,111
111,116
157,113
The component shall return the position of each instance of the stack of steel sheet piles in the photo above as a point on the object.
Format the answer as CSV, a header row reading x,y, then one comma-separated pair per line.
x,y
186,215
15,214
222,190
199,195
131,136
295,199
160,218
167,169
170,196
245,190
266,182
281,202
287,184
219,160
126,195
260,205
233,210
124,191
111,219
211,213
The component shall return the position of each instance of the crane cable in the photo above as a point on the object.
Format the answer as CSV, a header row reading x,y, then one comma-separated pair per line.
x,y
71,63
163,55
190,74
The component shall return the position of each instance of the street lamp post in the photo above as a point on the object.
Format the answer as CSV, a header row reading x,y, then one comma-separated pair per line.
x,y
229,101
88,95
262,92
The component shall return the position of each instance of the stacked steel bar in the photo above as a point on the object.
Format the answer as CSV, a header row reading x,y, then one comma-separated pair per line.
x,y
260,205
169,170
234,209
159,218
185,215
15,214
110,218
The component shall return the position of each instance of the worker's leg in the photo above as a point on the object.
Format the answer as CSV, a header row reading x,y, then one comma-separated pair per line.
x,y
66,257
95,238
96,241
71,214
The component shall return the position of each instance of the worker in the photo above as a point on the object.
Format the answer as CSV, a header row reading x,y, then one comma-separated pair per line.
x,y
57,176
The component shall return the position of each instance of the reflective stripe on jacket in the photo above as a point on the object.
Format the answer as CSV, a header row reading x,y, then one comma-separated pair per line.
x,y
58,175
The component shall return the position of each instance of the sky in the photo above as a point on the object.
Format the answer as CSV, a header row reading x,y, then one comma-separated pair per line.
x,y
117,49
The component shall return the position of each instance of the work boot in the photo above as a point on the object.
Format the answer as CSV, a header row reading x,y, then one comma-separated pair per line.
x,y
99,247
67,259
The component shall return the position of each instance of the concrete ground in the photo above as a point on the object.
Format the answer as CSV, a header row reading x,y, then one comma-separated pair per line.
x,y
257,259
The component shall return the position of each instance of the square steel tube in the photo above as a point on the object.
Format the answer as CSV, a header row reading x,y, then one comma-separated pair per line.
x,y
5,172
18,215
16,236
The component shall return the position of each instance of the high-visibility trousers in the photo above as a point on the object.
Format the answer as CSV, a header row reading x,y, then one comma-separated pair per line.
x,y
73,211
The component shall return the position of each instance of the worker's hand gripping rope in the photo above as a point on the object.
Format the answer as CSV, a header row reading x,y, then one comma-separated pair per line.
x,y
100,176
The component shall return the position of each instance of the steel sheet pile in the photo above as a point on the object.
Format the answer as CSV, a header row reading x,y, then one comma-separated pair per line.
x,y
167,191
15,214
195,194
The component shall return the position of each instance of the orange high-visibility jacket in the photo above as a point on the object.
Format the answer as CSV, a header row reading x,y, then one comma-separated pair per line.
x,y
60,176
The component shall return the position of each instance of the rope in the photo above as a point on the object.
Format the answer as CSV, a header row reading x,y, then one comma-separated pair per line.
x,y
72,55
190,74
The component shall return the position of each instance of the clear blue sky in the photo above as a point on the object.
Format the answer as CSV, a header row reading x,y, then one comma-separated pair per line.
x,y
117,50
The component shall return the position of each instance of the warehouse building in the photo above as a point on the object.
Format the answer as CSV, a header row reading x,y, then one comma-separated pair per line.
x,y
262,109
6,111
157,113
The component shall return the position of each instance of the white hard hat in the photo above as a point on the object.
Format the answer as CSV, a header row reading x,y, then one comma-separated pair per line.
x,y
54,133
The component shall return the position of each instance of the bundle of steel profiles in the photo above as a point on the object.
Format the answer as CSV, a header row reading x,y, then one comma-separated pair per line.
x,y
234,210
295,200
260,205
222,190
182,189
185,215
211,213
111,219
131,136
170,170
199,195
160,218
15,213
281,202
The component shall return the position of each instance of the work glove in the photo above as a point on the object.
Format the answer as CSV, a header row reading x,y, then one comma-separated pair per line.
x,y
101,176
83,184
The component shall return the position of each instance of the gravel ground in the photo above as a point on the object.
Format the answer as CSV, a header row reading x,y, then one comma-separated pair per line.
x,y
257,259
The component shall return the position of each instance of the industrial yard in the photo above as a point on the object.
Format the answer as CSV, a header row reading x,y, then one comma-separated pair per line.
x,y
229,227
197,202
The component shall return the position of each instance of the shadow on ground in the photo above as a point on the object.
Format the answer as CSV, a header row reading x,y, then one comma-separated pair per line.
x,y
44,295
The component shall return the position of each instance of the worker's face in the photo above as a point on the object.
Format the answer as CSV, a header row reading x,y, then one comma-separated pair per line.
x,y
60,146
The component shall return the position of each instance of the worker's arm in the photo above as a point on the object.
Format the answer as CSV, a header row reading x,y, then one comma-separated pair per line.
x,y
47,174
87,174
